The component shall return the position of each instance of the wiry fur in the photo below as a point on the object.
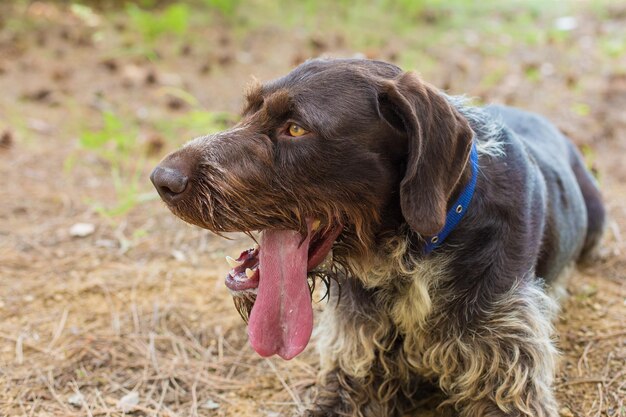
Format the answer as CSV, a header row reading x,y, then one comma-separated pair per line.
x,y
387,156
501,365
487,129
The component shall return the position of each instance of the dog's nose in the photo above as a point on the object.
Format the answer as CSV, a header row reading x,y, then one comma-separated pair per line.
x,y
169,182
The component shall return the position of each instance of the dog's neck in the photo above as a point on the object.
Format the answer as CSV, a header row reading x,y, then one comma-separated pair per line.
x,y
459,202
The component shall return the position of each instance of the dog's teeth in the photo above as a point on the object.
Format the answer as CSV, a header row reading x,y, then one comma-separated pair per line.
x,y
315,225
249,273
233,262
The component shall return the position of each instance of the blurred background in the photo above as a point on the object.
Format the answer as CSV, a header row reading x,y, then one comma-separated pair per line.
x,y
110,305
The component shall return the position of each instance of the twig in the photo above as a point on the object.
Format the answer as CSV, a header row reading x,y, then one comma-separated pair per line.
x,y
599,413
59,329
615,378
235,364
164,386
52,391
19,351
23,344
581,381
292,394
83,403
194,398
609,336
583,358
152,353
102,402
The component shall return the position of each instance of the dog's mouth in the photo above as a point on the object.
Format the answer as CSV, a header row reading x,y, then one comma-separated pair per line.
x,y
274,274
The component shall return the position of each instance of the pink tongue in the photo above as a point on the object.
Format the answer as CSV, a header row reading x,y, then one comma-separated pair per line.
x,y
281,320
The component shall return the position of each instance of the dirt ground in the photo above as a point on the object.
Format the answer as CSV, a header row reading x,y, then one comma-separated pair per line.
x,y
127,313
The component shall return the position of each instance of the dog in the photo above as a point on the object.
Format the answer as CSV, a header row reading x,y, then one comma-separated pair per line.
x,y
441,230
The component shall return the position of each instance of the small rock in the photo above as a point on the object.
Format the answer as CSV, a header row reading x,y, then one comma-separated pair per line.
x,y
178,255
566,23
76,399
565,412
40,126
210,405
133,74
128,402
82,229
171,80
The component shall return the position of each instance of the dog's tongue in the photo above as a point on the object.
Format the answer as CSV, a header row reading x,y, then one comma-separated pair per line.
x,y
281,320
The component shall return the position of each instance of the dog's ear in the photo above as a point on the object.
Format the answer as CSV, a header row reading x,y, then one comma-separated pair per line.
x,y
439,143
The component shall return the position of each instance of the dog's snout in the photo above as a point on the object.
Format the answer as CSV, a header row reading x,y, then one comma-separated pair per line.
x,y
170,182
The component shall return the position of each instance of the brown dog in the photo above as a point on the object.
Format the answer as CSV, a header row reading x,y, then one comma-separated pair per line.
x,y
446,224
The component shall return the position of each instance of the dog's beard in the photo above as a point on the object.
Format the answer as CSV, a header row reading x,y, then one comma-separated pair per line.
x,y
244,303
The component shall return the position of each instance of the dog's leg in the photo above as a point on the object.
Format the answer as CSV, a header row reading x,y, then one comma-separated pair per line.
x,y
502,361
364,370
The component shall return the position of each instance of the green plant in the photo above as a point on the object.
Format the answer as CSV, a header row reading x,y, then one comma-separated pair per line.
x,y
116,144
581,109
228,8
204,122
152,24
532,73
613,47
111,140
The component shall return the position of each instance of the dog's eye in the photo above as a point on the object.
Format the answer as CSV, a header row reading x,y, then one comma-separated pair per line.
x,y
296,130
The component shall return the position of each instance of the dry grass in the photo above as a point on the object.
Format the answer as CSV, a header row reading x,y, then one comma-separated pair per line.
x,y
138,307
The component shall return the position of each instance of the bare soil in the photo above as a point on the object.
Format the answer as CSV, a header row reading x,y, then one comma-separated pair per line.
x,y
138,306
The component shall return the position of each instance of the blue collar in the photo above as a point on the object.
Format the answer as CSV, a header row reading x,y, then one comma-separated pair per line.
x,y
458,209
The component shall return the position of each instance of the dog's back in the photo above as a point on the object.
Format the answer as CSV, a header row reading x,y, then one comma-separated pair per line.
x,y
575,213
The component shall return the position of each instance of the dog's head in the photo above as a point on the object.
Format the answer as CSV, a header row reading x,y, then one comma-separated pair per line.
x,y
335,153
